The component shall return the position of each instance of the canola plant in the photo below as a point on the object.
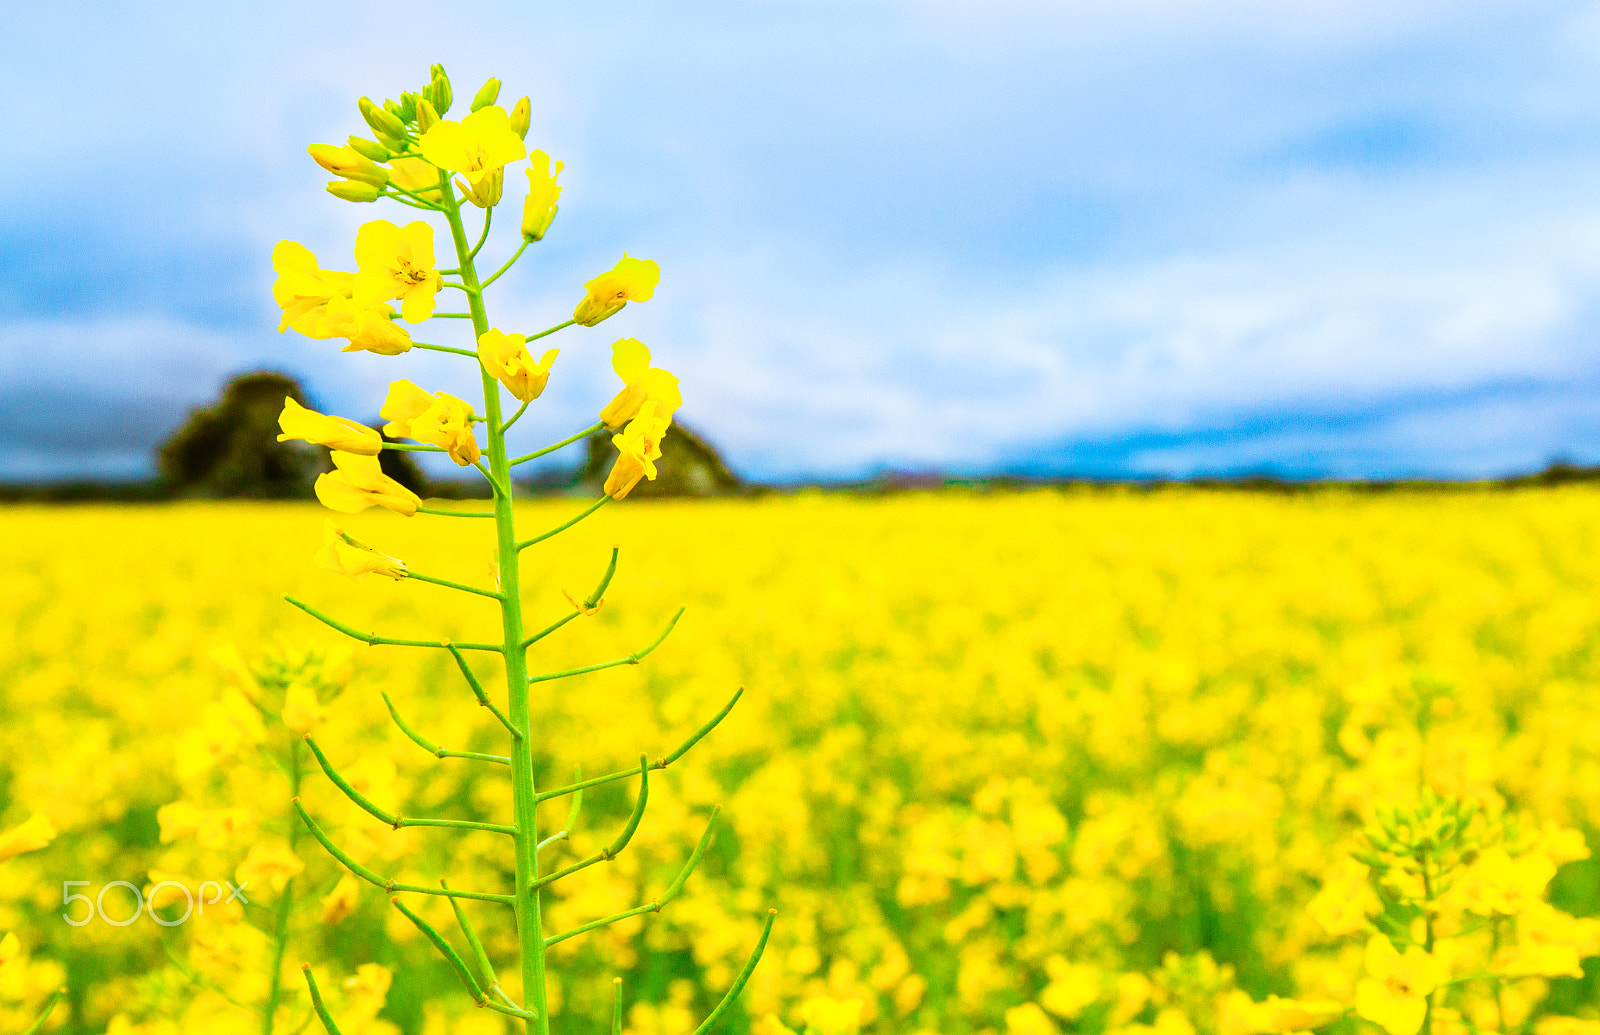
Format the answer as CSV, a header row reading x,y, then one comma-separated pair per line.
x,y
1089,761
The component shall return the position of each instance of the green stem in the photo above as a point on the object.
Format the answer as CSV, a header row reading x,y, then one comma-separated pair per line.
x,y
429,746
437,512
451,316
661,763
453,585
549,330
626,659
443,348
526,900
602,501
508,263
373,639
569,440
478,692
383,882
317,1003
409,448
516,416
740,981
280,924
488,214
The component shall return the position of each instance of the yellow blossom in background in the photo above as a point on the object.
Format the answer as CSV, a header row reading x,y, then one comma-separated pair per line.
x,y
1550,943
349,556
397,262
436,418
29,836
307,425
1291,1015
539,209
341,901
301,712
508,361
641,383
269,864
825,1015
1394,993
1496,883
1072,987
479,147
358,482
630,280
10,946
179,820
1028,1019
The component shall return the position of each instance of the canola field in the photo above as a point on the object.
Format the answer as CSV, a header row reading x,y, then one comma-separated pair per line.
x,y
1030,763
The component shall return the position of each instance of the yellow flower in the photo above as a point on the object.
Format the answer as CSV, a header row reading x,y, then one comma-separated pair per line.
x,y
10,946
269,863
397,262
641,383
367,989
1072,987
1288,1015
1394,995
540,207
298,422
478,146
301,712
417,175
508,361
179,821
350,556
341,901
825,1015
358,482
303,289
28,836
640,446
369,326
1550,943
630,280
1346,899
436,418
1028,1019
1495,883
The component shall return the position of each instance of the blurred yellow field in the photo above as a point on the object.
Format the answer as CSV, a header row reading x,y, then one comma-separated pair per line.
x,y
998,759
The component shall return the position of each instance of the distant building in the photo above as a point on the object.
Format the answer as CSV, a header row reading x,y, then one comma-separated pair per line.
x,y
689,466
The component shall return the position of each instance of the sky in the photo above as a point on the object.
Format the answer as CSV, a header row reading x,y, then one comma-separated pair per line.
x,y
1112,238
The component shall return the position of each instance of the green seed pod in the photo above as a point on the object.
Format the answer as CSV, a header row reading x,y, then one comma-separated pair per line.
x,y
486,94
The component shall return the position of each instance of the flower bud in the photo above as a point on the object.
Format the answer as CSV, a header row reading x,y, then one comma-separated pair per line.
x,y
520,116
370,149
406,110
385,123
486,94
427,117
349,163
438,89
353,190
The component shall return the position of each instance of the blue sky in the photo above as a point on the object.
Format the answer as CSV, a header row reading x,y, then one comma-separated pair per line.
x,y
1123,238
